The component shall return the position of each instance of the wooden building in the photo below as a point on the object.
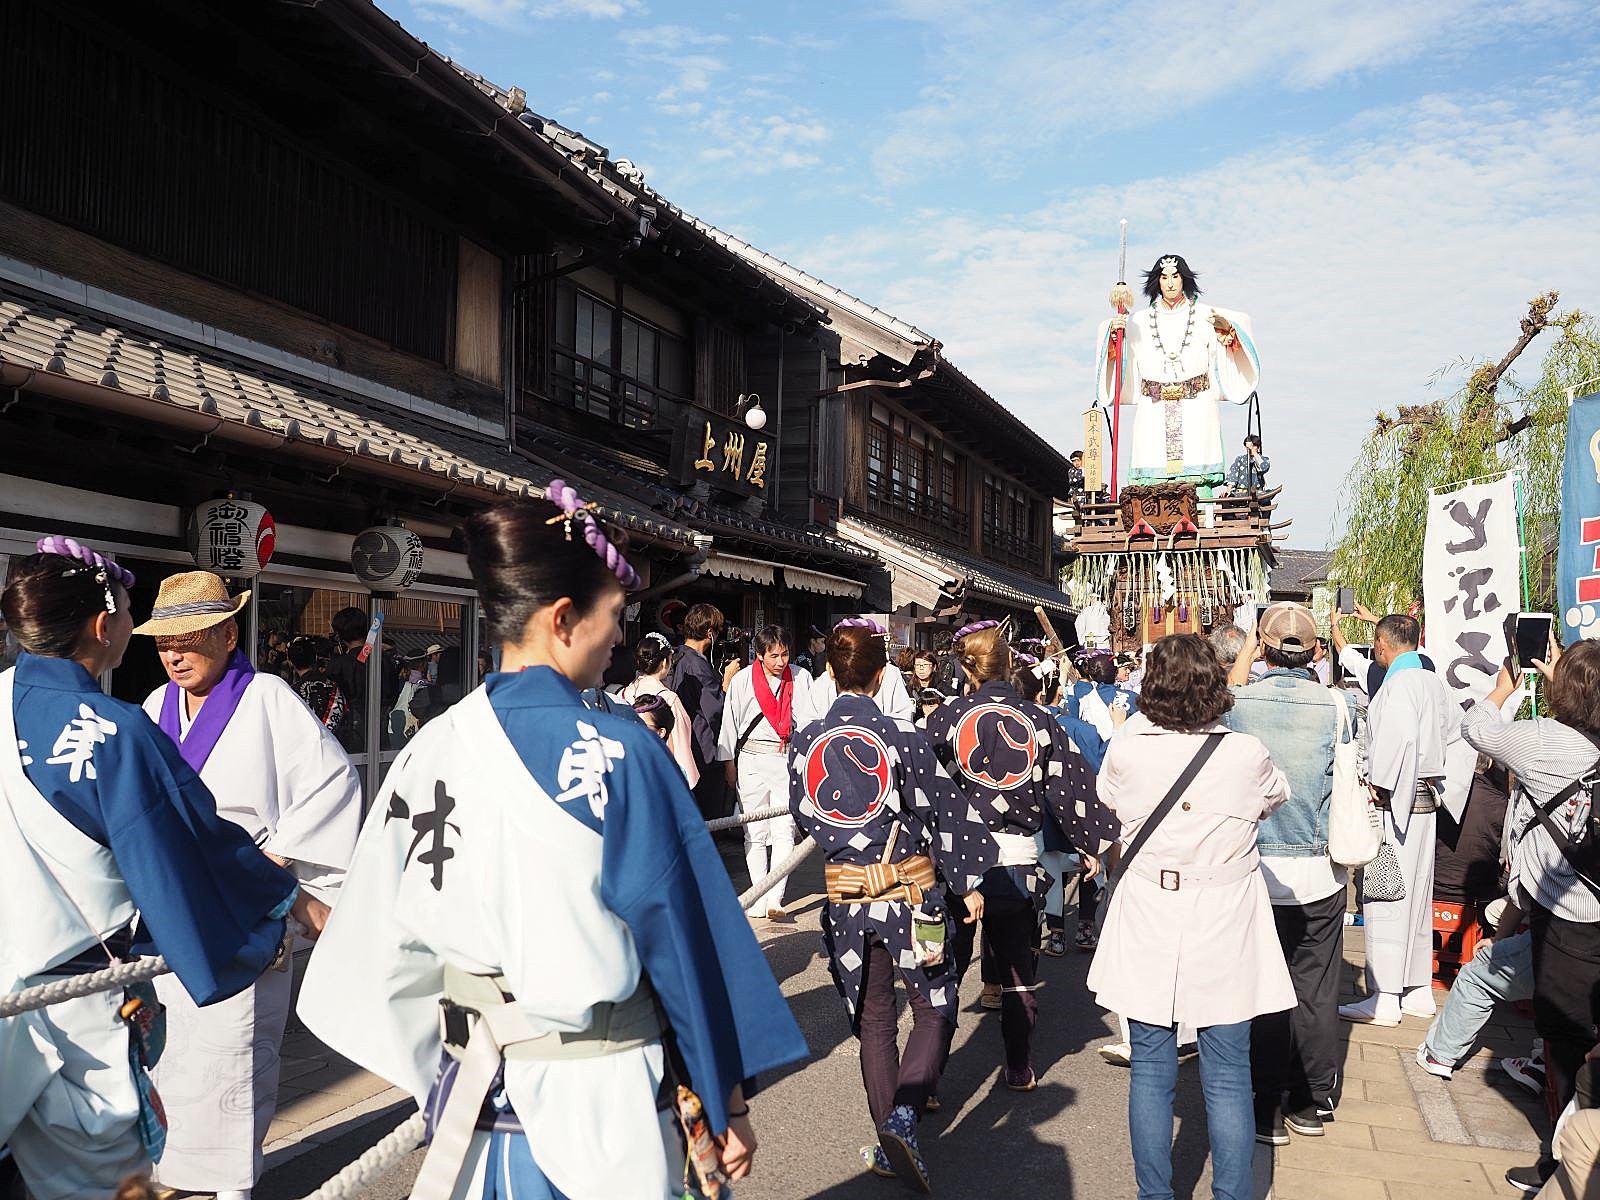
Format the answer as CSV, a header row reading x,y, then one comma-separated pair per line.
x,y
286,251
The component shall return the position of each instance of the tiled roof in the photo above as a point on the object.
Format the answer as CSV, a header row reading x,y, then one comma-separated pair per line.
x,y
123,363
1295,571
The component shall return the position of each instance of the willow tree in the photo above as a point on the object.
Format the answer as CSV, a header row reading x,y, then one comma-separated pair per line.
x,y
1490,424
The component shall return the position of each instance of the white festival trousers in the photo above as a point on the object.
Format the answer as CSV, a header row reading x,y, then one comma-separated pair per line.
x,y
764,783
1399,933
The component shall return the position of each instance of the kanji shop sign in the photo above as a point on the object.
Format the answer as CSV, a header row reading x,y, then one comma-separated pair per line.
x,y
1471,581
234,538
725,452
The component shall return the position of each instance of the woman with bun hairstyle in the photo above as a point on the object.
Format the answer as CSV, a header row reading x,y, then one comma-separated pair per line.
x,y
653,659
100,819
900,847
537,933
1018,769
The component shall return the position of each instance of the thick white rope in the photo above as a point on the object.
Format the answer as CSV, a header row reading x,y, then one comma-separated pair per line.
x,y
74,986
764,814
782,871
365,1171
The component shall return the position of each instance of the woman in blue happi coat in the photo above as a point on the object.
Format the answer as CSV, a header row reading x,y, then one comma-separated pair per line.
x,y
110,847
900,840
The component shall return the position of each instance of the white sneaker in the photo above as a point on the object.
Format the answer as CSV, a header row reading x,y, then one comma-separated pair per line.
x,y
1118,1054
1380,1008
1419,1002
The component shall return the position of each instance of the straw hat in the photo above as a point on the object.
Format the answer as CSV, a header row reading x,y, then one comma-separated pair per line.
x,y
189,602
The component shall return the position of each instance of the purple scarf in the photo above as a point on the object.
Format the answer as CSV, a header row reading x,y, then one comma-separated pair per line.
x,y
221,703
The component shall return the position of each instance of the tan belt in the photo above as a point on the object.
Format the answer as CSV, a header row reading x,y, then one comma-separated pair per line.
x,y
850,883
496,1029
1179,878
1187,390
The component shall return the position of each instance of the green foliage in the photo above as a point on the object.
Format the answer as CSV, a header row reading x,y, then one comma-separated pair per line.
x,y
1489,425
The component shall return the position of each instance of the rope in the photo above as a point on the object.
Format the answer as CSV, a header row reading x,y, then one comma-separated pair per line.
x,y
74,986
383,1156
765,814
782,871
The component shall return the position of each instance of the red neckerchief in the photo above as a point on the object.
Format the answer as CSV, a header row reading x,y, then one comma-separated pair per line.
x,y
779,709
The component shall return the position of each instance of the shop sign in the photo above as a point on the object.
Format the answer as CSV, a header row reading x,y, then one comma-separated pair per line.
x,y
726,453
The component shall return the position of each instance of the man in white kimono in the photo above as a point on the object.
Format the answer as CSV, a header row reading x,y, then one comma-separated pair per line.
x,y
278,774
1179,358
768,702
1413,744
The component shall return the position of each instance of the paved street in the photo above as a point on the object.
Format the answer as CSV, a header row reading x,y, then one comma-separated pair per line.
x,y
1400,1134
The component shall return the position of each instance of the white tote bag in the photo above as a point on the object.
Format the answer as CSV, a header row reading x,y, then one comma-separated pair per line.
x,y
1352,837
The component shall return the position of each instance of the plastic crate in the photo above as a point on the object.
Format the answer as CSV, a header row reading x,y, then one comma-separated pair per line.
x,y
1456,934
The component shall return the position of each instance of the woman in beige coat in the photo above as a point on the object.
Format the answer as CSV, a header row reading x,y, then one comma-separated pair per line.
x,y
1189,937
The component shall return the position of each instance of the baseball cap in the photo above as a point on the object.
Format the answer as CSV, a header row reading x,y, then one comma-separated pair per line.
x,y
1288,626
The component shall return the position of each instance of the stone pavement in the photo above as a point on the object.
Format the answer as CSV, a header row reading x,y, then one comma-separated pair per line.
x,y
1400,1134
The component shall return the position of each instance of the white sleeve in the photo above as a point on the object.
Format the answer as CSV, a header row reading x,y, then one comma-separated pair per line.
x,y
319,794
735,714
893,698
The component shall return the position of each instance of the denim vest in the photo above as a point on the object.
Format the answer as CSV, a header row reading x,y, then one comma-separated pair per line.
x,y
1298,719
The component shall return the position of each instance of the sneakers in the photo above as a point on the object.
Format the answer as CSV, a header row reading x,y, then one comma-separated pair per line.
x,y
1530,1181
1118,1054
1270,1127
1021,1079
1188,1053
1305,1122
1443,1070
897,1138
1380,1008
990,996
1055,943
1085,939
1529,1072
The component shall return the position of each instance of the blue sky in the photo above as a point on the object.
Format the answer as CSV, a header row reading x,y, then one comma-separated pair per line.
x,y
1380,184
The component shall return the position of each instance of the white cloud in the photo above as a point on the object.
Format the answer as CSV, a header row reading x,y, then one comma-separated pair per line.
x,y
668,39
1011,88
1366,265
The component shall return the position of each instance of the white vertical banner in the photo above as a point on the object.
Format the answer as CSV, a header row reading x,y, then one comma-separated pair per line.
x,y
1471,581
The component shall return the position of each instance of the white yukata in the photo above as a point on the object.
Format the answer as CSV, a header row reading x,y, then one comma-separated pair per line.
x,y
484,852
279,775
763,765
1179,438
1413,734
892,699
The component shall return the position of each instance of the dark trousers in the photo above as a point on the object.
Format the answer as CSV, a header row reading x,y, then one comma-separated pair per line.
x,y
1011,955
893,1078
712,792
1566,995
1298,1051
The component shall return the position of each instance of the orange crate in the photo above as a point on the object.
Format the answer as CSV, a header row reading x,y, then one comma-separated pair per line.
x,y
1456,934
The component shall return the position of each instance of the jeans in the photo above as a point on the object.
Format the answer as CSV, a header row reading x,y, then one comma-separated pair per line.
x,y
1230,1111
1503,972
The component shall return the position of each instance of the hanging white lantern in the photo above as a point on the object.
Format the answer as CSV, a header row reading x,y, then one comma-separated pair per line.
x,y
386,558
233,538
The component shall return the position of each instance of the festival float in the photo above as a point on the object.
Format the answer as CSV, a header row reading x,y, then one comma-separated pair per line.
x,y
1179,548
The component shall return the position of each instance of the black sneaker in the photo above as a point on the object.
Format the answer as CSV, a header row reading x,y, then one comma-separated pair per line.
x,y
1531,1180
1305,1122
1270,1129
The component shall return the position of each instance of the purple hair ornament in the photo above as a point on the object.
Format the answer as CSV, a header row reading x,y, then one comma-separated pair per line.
x,y
106,571
561,494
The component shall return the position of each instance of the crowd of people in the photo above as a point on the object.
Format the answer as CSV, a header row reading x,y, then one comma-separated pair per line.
x,y
965,797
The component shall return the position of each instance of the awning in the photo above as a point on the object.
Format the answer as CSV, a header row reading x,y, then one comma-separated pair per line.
x,y
734,566
820,581
928,575
914,577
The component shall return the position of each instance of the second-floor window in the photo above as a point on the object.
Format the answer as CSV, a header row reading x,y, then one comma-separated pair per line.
x,y
612,363
911,479
1010,522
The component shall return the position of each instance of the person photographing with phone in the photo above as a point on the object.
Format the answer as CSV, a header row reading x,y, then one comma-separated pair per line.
x,y
1554,853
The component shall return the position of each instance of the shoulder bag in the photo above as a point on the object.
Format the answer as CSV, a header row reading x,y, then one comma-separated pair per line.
x,y
1170,800
1353,840
1583,854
